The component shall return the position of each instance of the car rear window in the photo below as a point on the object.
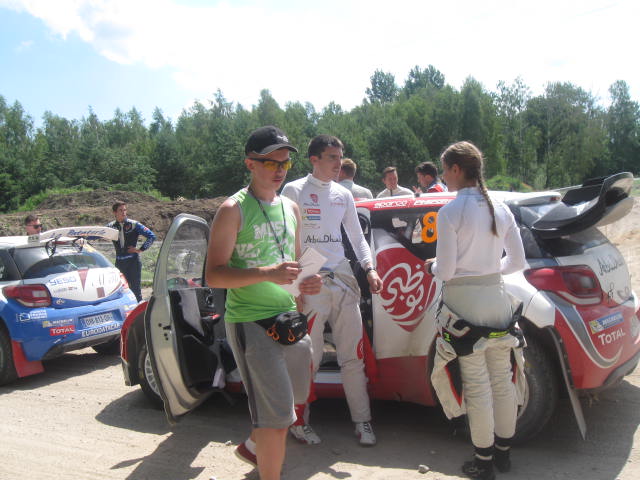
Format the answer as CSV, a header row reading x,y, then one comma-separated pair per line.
x,y
415,228
35,262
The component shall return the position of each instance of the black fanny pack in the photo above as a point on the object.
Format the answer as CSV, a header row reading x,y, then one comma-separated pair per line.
x,y
286,328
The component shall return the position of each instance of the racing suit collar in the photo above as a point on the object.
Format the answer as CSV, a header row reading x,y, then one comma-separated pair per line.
x,y
469,191
317,182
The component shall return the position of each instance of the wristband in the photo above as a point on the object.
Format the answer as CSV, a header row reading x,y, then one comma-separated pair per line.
x,y
369,269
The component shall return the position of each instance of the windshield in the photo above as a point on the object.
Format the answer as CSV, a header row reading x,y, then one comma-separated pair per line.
x,y
36,263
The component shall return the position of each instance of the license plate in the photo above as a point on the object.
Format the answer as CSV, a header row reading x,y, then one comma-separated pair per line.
x,y
100,319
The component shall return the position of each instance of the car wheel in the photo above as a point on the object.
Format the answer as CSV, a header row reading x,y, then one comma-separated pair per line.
x,y
7,369
112,347
541,393
147,378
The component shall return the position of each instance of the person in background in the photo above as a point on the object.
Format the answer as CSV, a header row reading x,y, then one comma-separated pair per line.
x,y
390,179
427,174
473,233
347,173
326,207
32,224
127,251
253,245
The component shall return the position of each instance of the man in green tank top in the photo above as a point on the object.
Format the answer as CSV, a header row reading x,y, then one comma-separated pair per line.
x,y
253,247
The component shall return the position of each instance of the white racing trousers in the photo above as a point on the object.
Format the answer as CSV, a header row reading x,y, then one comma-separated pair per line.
x,y
490,359
339,304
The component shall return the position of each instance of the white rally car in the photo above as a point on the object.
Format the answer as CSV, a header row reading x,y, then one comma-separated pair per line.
x,y
580,315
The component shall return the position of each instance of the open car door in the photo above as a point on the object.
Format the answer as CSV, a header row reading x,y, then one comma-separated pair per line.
x,y
182,321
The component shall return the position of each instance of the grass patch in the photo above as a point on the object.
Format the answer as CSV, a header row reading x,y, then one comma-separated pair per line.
x,y
32,202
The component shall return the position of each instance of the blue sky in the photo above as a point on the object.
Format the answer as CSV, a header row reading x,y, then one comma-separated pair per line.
x,y
67,56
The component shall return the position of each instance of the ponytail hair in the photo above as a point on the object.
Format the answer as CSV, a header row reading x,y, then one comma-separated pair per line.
x,y
470,160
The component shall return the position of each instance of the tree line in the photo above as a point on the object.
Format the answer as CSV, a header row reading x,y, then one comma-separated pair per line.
x,y
555,139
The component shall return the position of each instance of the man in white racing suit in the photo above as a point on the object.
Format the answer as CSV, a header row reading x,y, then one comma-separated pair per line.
x,y
325,206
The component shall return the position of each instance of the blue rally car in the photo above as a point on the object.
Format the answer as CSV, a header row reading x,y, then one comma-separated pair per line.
x,y
57,294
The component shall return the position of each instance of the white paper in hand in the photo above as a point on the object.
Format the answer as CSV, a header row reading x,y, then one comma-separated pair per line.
x,y
311,261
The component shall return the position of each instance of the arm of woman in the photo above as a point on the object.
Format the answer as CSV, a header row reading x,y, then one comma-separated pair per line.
x,y
446,249
514,260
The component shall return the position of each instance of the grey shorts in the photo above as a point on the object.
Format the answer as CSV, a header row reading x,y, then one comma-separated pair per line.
x,y
275,376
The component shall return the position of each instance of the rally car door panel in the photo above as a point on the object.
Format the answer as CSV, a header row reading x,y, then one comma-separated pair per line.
x,y
179,319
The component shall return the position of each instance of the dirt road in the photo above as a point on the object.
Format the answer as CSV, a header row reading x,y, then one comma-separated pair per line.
x,y
79,421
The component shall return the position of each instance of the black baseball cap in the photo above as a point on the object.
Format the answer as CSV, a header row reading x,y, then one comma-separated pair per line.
x,y
267,139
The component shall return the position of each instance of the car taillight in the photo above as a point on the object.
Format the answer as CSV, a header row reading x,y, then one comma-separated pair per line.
x,y
125,284
577,284
34,295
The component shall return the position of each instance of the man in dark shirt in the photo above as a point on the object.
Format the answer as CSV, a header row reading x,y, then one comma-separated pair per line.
x,y
127,251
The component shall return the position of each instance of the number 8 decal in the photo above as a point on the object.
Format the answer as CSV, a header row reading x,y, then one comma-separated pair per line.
x,y
430,227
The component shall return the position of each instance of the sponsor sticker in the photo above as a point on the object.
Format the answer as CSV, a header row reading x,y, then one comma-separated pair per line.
x,y
97,331
601,324
431,201
37,314
63,280
57,323
55,331
392,204
313,210
312,217
607,338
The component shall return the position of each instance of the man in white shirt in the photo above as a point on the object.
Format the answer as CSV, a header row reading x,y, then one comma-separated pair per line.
x,y
325,206
390,179
347,173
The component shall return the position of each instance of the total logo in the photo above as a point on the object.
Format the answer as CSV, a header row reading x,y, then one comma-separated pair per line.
x,y
55,331
607,338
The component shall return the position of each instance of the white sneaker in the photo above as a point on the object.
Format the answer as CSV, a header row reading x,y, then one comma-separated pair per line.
x,y
304,434
364,431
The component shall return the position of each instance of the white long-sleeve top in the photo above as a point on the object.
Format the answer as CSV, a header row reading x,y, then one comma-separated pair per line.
x,y
467,246
324,206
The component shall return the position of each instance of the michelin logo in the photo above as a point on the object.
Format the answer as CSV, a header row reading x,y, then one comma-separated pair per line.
x,y
603,323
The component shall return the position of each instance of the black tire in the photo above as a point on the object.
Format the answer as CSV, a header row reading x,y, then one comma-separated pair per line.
x,y
7,368
541,395
112,347
147,378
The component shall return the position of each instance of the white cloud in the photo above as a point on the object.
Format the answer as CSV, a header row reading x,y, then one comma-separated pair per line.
x,y
323,51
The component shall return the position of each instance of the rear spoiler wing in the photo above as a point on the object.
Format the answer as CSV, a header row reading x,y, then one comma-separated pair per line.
x,y
72,233
597,202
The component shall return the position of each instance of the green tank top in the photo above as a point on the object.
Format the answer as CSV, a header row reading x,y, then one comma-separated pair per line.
x,y
256,246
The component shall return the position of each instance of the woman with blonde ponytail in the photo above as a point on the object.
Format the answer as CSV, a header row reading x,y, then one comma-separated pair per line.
x,y
473,234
